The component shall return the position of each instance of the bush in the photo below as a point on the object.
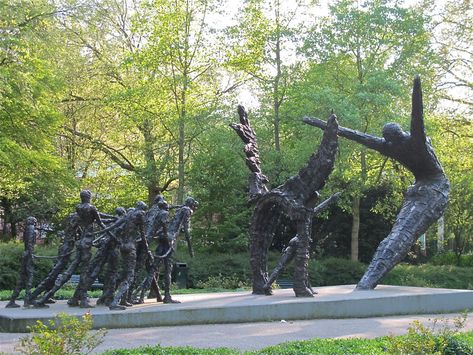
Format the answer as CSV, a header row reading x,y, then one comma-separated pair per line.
x,y
440,338
224,282
450,258
335,271
10,263
202,267
66,335
428,275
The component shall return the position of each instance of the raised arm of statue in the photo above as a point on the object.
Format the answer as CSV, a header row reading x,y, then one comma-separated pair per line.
x,y
417,115
367,140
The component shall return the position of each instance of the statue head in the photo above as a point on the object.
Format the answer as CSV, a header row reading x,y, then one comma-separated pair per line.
x,y
31,221
140,205
191,203
393,133
162,204
120,211
85,196
158,199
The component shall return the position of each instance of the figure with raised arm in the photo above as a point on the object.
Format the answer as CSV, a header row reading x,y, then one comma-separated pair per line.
x,y
107,253
27,267
425,201
88,217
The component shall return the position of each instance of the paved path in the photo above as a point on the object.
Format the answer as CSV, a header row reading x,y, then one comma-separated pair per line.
x,y
251,336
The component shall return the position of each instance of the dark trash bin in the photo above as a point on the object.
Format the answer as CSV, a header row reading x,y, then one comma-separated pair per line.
x,y
181,275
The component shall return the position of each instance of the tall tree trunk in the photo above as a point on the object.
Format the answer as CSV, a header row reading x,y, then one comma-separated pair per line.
x,y
9,226
276,97
355,228
181,162
151,167
440,233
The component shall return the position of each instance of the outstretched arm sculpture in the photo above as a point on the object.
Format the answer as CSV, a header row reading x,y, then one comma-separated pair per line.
x,y
296,198
425,201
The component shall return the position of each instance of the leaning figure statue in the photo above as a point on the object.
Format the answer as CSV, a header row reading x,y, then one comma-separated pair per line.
x,y
425,201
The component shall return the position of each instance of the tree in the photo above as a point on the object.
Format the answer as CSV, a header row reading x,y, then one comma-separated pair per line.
x,y
32,176
454,37
264,49
367,53
454,137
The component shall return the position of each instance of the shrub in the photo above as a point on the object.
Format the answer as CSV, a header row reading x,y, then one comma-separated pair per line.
x,y
224,282
204,266
450,258
65,335
440,338
335,271
427,275
10,263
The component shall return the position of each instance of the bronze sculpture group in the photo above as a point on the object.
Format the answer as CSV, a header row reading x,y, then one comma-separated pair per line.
x,y
424,204
117,241
128,233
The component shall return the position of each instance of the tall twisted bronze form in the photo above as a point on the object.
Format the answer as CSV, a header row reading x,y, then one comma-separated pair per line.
x,y
296,198
425,201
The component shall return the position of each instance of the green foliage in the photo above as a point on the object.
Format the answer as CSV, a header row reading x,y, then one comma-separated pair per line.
x,y
451,258
10,263
33,179
336,271
64,335
205,269
430,276
219,180
178,350
225,282
439,338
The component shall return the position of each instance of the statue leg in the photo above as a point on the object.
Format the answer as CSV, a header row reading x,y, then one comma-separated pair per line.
x,y
301,262
129,259
28,281
48,282
422,207
146,283
111,277
60,281
141,257
167,280
285,259
19,286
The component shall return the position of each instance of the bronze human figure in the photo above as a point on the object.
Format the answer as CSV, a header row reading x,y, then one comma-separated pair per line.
x,y
27,266
107,252
425,201
296,199
70,234
290,251
131,232
157,227
88,217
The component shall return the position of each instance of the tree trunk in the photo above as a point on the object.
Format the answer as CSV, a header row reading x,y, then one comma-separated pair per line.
x,y
355,228
9,227
180,168
440,233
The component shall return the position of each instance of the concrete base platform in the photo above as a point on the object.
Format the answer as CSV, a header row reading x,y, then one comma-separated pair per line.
x,y
242,307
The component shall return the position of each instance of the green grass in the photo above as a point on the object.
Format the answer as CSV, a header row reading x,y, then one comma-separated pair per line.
x,y
313,346
67,292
